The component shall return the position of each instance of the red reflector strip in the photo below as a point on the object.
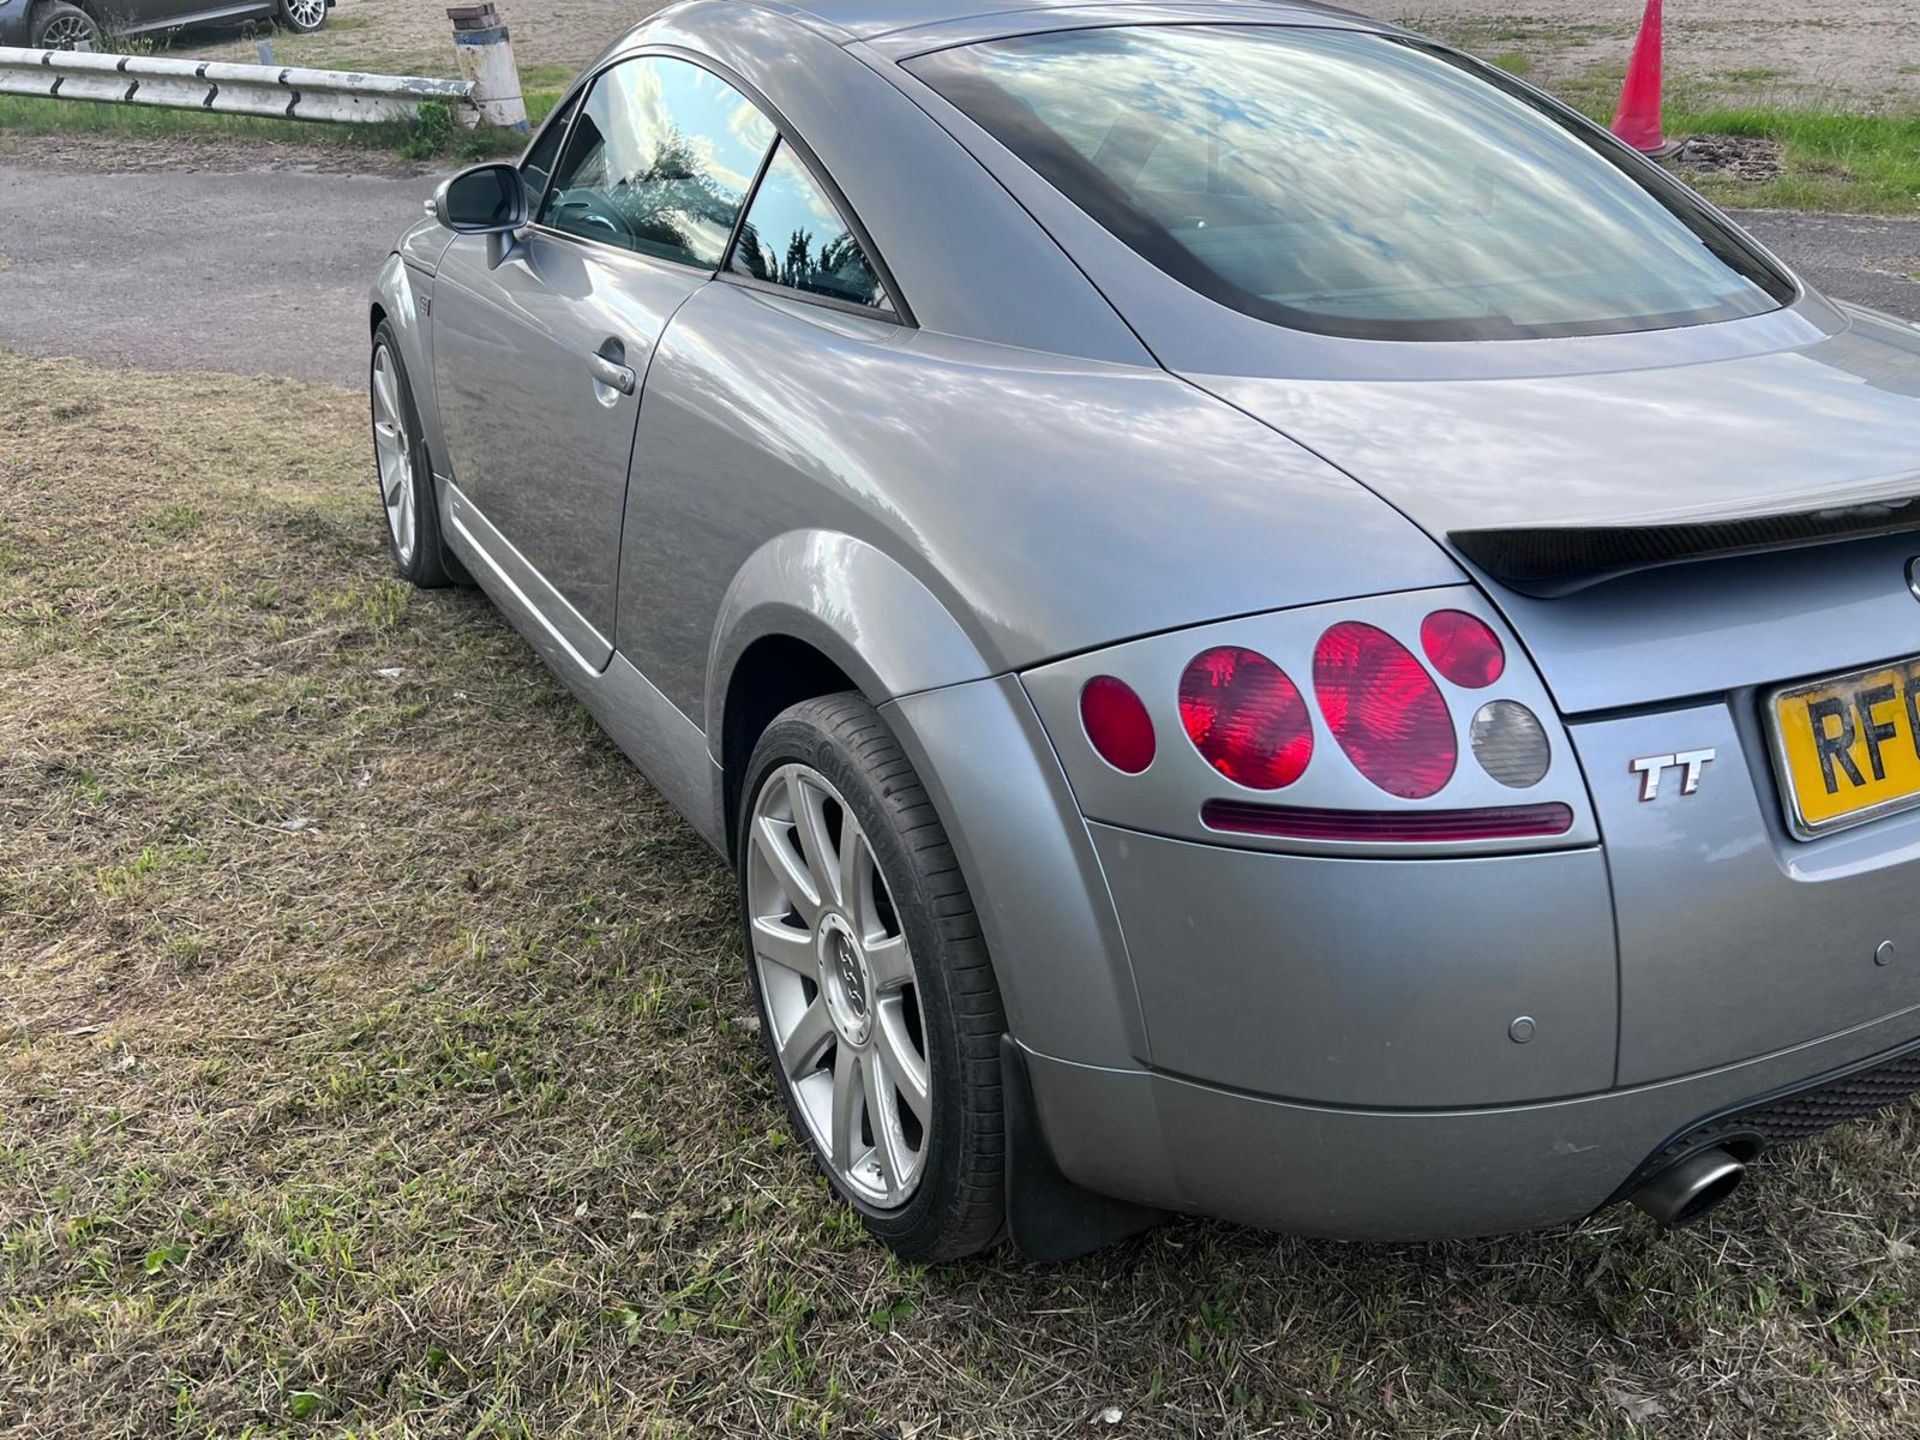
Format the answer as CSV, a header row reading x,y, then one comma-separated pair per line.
x,y
1292,822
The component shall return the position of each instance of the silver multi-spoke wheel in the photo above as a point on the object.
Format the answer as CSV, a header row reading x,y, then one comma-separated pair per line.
x,y
393,449
305,14
69,32
837,977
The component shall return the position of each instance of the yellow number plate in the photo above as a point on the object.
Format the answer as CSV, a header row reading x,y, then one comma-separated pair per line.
x,y
1848,749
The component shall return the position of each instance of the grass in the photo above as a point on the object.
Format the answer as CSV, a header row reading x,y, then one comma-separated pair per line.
x,y
1868,164
1835,159
1832,160
375,1060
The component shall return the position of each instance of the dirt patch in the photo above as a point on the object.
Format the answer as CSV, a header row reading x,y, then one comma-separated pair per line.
x,y
375,1059
1750,159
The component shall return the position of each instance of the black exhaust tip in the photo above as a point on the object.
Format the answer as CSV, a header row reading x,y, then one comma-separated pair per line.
x,y
1690,1187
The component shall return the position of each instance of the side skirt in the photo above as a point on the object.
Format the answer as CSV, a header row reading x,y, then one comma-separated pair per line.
x,y
649,729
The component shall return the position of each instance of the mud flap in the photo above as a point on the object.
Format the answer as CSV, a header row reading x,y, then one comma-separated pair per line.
x,y
1049,1218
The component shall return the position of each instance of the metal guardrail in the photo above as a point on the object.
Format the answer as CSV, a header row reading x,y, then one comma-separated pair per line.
x,y
280,92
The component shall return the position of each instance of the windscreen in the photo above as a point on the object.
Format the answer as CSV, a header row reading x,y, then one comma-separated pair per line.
x,y
1356,184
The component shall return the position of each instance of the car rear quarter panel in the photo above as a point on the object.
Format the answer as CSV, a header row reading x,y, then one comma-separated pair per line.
x,y
1047,505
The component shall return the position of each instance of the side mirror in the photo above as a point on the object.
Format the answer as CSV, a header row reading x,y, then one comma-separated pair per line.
x,y
486,200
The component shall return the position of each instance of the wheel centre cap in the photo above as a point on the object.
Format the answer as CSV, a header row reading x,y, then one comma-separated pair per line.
x,y
849,989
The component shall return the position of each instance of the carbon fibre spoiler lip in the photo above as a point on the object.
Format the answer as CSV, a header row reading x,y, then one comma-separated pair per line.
x,y
1552,561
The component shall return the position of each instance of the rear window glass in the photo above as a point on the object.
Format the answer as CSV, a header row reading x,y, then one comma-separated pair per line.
x,y
1356,184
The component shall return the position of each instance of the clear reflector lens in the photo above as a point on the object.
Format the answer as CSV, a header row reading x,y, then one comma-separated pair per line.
x,y
1510,743
1385,710
1462,648
1245,717
1117,724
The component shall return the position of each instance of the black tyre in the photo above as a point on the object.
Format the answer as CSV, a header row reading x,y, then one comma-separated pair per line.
x,y
303,16
876,996
404,473
60,26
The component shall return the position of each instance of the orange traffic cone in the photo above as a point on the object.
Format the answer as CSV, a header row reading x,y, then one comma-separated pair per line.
x,y
1638,120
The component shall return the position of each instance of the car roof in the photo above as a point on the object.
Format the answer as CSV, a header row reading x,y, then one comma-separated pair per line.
x,y
868,20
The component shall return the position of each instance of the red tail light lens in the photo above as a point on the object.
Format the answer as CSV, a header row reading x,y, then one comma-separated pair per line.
x,y
1117,724
1246,718
1462,648
1385,710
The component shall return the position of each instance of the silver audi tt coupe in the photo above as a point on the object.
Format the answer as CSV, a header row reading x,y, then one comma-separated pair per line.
x,y
1273,624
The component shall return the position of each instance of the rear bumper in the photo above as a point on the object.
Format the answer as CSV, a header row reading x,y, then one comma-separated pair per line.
x,y
1373,1174
1370,1048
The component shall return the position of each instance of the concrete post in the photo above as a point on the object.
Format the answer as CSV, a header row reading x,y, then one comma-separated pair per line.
x,y
486,58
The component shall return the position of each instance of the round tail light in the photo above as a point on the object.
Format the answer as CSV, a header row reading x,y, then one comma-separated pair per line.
x,y
1246,718
1117,724
1463,648
1385,710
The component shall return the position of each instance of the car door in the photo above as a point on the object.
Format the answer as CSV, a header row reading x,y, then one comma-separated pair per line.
x,y
138,15
541,346
755,381
134,16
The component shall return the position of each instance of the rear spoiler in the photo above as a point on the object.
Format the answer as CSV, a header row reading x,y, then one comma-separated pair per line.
x,y
1549,561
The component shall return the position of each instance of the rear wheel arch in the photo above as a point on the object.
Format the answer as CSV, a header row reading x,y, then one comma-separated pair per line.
x,y
812,613
774,673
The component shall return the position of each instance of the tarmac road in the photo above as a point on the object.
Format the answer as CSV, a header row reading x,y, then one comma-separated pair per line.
x,y
259,272
266,271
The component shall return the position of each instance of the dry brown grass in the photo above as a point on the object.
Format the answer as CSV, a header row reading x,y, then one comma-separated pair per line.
x,y
374,1061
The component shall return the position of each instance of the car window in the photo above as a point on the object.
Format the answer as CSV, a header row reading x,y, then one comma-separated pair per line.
x,y
659,162
538,162
1356,184
794,236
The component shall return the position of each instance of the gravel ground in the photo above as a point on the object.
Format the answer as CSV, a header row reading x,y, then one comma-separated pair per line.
x,y
1851,53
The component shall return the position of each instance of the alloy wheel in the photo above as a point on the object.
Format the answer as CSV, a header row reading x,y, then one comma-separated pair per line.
x,y
837,977
69,32
306,14
393,449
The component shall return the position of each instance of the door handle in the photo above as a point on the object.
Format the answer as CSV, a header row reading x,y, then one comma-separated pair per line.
x,y
611,374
